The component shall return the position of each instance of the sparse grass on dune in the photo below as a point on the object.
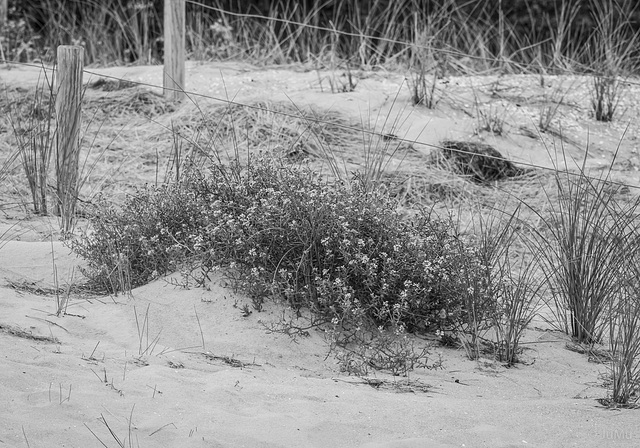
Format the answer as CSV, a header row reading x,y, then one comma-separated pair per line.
x,y
132,101
118,264
413,183
583,246
367,237
279,127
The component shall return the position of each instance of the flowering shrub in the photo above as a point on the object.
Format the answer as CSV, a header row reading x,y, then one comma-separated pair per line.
x,y
281,232
345,254
145,238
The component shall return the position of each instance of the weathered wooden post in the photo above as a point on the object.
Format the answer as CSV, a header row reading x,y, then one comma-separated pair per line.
x,y
174,51
68,115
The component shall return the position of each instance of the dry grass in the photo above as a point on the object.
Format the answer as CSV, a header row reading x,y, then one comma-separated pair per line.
x,y
20,333
438,44
279,127
444,35
135,101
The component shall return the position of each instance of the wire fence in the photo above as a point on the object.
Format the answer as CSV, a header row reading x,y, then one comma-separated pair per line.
x,y
191,95
417,45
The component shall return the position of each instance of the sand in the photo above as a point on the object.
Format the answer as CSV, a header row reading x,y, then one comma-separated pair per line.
x,y
175,367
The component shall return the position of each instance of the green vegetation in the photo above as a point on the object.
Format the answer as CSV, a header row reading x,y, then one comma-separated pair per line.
x,y
347,253
454,35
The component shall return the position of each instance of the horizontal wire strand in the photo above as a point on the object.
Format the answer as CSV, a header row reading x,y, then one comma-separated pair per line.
x,y
343,126
451,52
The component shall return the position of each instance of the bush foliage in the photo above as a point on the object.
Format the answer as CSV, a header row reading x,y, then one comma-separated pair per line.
x,y
281,232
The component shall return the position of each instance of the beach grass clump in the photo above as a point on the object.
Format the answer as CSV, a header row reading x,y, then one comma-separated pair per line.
x,y
584,243
503,291
614,42
34,130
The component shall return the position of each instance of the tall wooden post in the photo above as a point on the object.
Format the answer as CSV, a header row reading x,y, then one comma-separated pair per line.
x,y
68,114
174,51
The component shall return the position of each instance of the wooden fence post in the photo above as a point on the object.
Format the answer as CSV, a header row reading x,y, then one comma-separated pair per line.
x,y
174,43
68,115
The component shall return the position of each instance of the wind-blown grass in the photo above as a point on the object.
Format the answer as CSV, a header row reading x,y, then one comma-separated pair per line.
x,y
35,134
464,37
582,250
615,46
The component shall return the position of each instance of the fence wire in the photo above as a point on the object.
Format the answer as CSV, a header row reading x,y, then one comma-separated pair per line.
x,y
191,94
448,51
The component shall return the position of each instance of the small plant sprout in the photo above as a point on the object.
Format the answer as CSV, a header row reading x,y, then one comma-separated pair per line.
x,y
423,81
491,118
554,97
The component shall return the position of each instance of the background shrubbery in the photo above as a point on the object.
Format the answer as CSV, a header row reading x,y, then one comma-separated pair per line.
x,y
468,35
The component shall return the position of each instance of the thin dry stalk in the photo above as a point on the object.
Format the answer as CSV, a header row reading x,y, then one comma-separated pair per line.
x,y
145,346
561,33
518,298
8,164
24,433
122,443
428,65
551,106
36,142
494,235
119,275
624,343
624,334
62,303
606,94
491,118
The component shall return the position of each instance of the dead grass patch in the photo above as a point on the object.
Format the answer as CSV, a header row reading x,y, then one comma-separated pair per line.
x,y
427,187
398,386
34,288
20,333
230,361
110,85
279,127
129,101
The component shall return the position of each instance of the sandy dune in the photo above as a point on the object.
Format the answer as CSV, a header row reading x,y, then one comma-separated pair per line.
x,y
175,367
